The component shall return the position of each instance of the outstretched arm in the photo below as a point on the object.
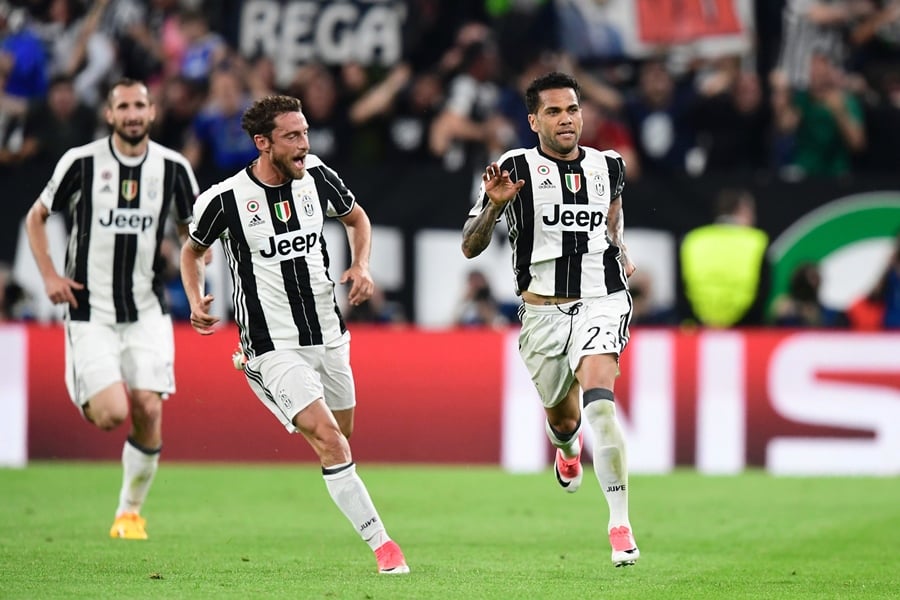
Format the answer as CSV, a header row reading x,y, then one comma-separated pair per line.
x,y
500,190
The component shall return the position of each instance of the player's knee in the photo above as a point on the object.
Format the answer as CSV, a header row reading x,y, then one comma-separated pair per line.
x,y
146,408
105,417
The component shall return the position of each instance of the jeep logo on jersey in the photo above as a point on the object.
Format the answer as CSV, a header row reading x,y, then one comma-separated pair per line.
x,y
129,189
283,211
127,220
285,246
573,182
571,217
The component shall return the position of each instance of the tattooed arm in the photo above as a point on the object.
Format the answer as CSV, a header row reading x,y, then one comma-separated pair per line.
x,y
500,190
615,230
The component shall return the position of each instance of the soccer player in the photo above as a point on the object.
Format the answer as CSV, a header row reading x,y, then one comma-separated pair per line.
x,y
269,218
117,193
563,205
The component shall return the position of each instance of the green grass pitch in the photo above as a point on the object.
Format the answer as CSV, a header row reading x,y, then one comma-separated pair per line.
x,y
261,531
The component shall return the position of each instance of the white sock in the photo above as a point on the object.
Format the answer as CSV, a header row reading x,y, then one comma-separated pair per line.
x,y
351,496
570,447
610,465
138,468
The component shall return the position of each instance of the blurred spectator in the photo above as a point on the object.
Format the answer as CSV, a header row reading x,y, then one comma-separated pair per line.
x,y
891,281
218,145
125,22
464,132
408,103
377,310
164,51
875,37
55,124
880,308
23,72
78,48
178,104
644,311
604,132
733,123
657,113
478,306
724,272
882,118
519,24
812,25
261,76
329,129
825,120
800,306
205,51
12,296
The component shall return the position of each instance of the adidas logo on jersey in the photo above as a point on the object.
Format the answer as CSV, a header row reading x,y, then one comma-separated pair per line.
x,y
546,185
256,220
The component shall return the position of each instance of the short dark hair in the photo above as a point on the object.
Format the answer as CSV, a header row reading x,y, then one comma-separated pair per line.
x,y
125,82
729,200
259,119
550,81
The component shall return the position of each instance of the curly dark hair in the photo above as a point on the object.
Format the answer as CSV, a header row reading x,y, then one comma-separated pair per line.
x,y
550,81
259,119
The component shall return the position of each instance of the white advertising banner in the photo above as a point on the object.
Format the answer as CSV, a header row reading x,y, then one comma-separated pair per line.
x,y
14,396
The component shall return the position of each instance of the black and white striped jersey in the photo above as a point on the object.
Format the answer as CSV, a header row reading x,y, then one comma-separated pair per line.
x,y
117,208
272,236
557,222
801,37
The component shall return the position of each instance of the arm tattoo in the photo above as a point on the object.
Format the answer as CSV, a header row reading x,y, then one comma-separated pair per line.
x,y
615,223
478,230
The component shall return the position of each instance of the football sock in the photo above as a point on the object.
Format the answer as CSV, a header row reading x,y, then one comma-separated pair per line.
x,y
567,442
351,496
609,453
139,465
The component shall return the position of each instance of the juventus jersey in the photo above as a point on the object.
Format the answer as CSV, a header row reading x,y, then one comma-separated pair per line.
x,y
272,236
557,222
117,207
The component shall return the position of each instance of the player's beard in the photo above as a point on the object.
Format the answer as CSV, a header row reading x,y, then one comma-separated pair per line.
x,y
285,166
551,143
132,139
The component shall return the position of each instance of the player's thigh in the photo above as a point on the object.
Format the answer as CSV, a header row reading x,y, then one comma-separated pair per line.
x,y
148,354
285,382
93,362
337,377
543,341
601,327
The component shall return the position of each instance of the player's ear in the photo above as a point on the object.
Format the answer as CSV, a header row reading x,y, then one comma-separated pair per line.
x,y
262,142
532,122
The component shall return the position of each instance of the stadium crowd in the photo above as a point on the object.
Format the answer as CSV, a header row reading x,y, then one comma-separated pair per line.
x,y
815,94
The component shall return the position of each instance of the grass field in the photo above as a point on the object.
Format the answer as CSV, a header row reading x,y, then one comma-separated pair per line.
x,y
469,533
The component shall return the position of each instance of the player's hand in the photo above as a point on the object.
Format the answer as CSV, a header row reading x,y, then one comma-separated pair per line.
x,y
201,320
362,285
629,266
498,185
59,290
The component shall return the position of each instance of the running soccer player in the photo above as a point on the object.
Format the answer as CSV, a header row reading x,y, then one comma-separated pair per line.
x,y
269,218
117,193
563,205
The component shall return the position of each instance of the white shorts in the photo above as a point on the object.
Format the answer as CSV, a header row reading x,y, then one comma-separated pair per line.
x,y
287,381
142,354
554,338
